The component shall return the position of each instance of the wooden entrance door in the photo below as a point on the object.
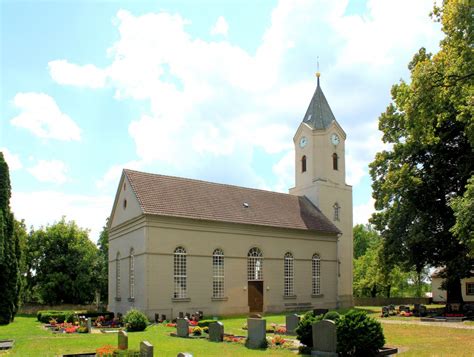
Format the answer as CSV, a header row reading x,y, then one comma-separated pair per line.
x,y
255,290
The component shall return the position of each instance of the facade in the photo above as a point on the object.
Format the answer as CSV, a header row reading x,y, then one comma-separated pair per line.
x,y
181,245
440,296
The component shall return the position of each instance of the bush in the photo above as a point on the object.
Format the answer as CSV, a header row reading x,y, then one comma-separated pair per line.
x,y
358,334
205,323
135,320
332,315
304,332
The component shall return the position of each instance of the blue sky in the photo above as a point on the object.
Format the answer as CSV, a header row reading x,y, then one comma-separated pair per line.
x,y
212,90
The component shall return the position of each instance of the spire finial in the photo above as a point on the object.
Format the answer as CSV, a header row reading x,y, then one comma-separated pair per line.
x,y
317,73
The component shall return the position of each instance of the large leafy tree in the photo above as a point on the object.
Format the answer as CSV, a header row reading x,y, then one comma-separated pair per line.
x,y
63,264
103,271
10,253
430,129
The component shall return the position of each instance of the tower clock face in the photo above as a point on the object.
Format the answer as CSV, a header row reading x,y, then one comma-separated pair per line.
x,y
335,139
303,141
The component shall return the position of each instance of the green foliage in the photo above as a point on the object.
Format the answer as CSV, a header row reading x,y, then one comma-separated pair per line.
x,y
463,208
430,132
103,263
358,334
46,316
304,332
63,264
10,253
205,323
135,320
364,238
331,315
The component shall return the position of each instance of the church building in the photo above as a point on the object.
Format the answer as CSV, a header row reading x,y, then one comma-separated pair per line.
x,y
182,245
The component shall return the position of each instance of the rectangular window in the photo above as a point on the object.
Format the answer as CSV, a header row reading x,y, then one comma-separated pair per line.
x,y
180,278
316,281
288,269
469,288
218,274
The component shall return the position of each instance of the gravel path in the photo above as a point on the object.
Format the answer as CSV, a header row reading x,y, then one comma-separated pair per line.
x,y
441,324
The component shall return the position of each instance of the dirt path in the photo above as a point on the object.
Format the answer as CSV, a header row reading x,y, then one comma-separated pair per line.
x,y
459,325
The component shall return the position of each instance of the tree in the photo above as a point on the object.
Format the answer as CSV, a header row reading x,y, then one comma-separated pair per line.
x,y
103,271
64,263
463,208
10,253
431,132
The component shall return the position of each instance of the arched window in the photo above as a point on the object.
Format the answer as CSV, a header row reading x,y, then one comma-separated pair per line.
x,y
303,163
288,288
131,273
218,273
316,275
334,161
117,276
180,283
337,211
255,264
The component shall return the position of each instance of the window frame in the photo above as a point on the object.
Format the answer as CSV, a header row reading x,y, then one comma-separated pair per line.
x,y
180,283
288,275
470,288
255,264
316,275
218,283
131,274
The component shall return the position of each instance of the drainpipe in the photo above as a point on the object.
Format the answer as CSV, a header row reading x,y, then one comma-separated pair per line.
x,y
338,303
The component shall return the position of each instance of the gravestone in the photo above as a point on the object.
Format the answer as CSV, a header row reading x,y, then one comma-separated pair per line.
x,y
256,333
423,310
184,354
146,349
404,308
201,314
292,323
385,311
318,312
188,315
163,317
122,340
216,331
157,318
182,326
89,325
324,339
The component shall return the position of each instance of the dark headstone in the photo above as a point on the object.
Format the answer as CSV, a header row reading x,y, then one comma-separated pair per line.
x,y
318,312
181,315
292,323
385,311
122,340
146,349
256,333
324,339
163,317
404,308
184,354
216,331
182,327
157,318
188,315
201,315
423,311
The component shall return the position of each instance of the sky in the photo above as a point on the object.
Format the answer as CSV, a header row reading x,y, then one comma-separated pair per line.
x,y
209,90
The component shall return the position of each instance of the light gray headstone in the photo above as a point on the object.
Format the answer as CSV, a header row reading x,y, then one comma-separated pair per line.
x,y
216,331
89,325
182,327
292,323
324,338
146,349
256,333
122,340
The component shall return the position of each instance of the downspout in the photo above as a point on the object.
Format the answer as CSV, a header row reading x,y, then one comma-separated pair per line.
x,y
338,303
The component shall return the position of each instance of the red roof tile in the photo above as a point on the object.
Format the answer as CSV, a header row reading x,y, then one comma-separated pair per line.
x,y
180,197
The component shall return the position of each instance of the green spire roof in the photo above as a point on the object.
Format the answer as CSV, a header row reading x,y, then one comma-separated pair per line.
x,y
319,114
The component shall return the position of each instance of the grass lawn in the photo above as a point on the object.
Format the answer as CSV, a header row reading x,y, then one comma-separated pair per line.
x,y
31,339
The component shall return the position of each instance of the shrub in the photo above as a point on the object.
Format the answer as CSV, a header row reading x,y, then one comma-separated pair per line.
x,y
331,315
358,334
205,323
304,331
135,320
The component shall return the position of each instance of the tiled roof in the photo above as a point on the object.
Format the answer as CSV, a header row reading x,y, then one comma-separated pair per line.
x,y
180,197
319,114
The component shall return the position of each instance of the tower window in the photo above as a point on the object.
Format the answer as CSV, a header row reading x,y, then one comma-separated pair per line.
x,y
337,211
303,163
334,161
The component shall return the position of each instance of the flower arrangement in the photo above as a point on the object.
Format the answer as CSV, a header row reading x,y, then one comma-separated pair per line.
x,y
234,339
278,341
105,351
197,331
170,324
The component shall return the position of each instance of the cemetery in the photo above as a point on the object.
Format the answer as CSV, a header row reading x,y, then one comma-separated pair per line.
x,y
316,332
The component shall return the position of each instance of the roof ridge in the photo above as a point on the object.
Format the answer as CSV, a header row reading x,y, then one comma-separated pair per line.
x,y
210,182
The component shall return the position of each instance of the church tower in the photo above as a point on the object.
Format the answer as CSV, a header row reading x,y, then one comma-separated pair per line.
x,y
320,175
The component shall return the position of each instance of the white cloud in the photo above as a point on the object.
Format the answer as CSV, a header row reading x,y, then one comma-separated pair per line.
x,y
112,176
67,73
213,100
54,171
13,160
363,212
221,27
41,115
284,171
46,207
